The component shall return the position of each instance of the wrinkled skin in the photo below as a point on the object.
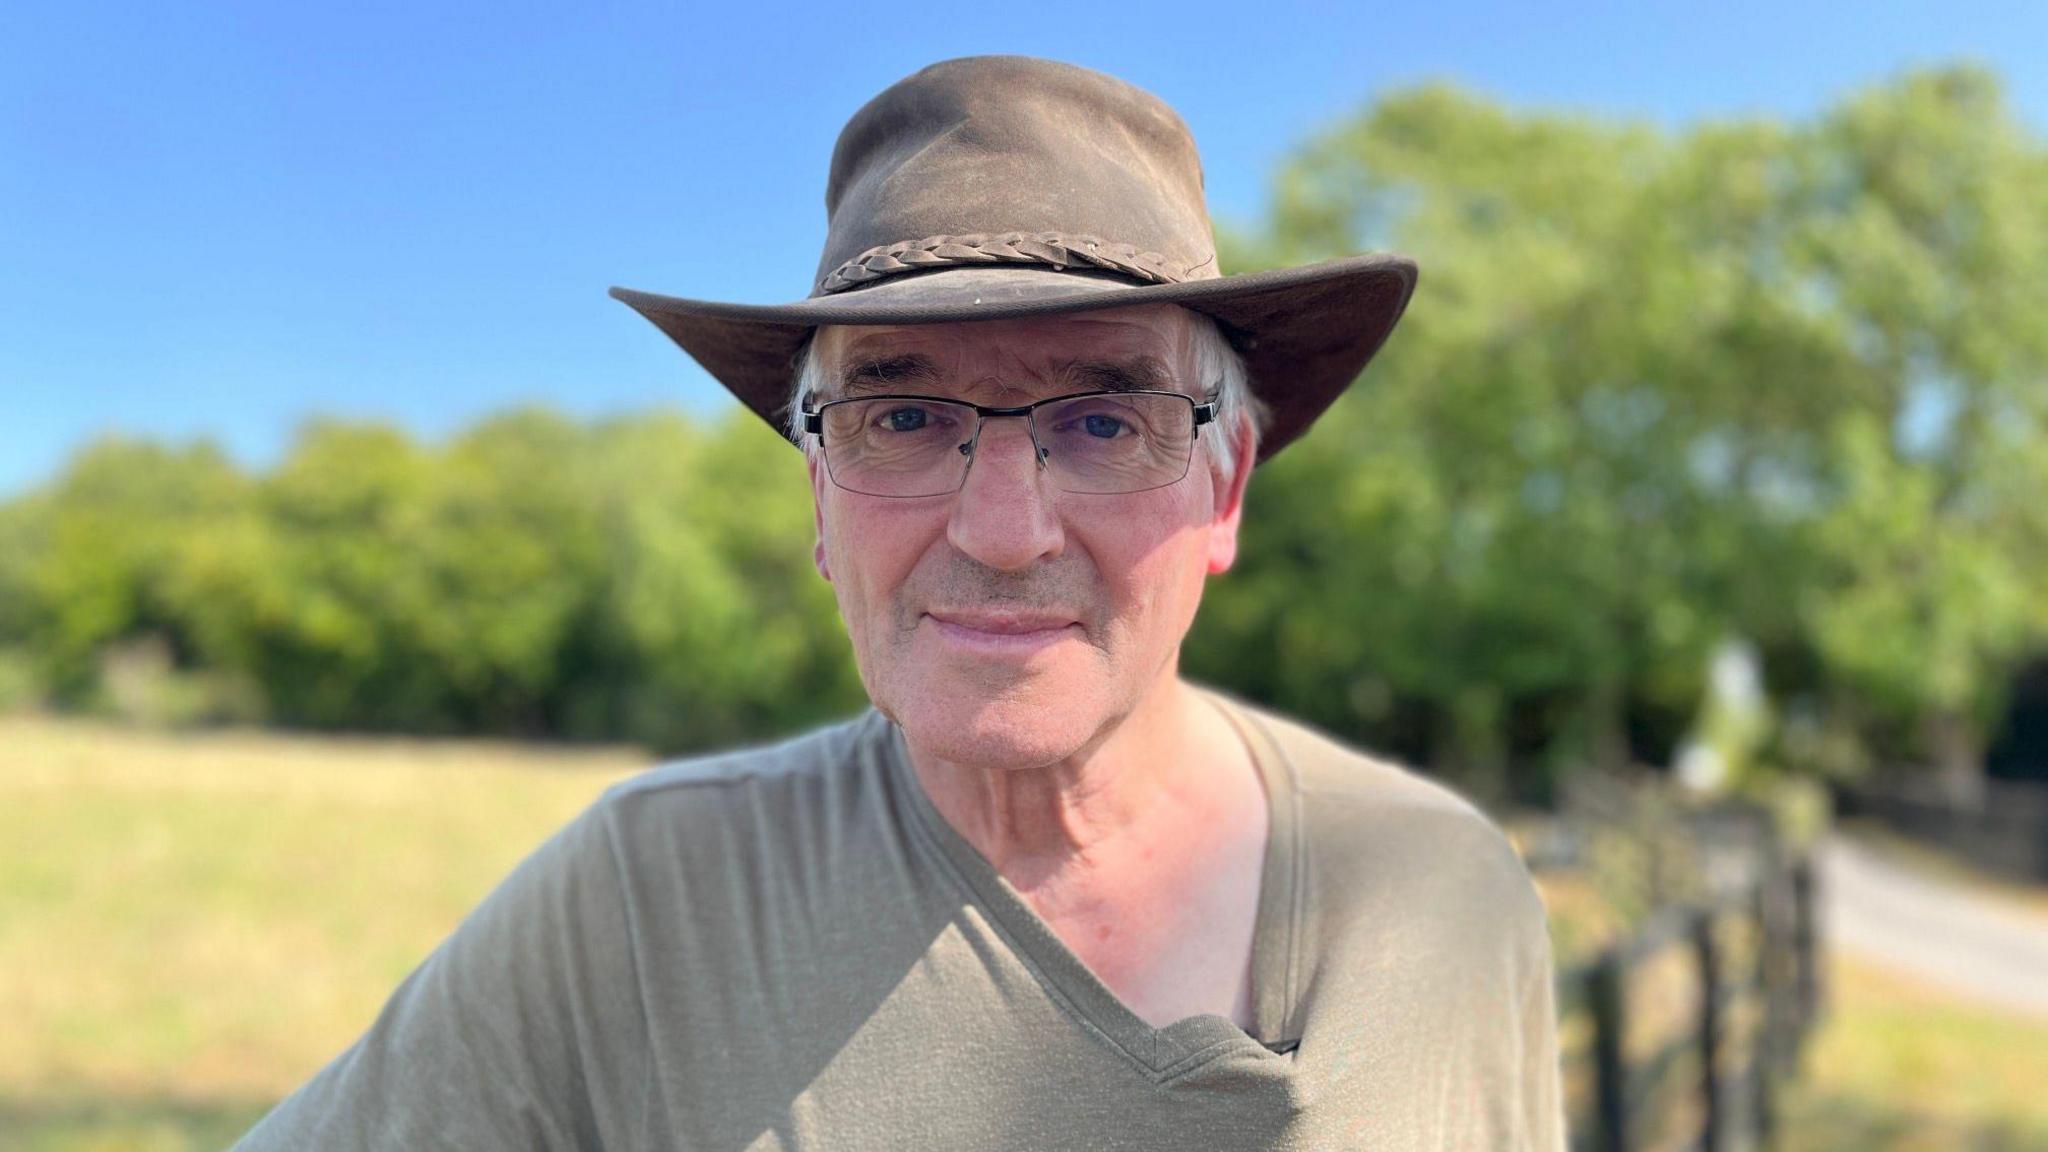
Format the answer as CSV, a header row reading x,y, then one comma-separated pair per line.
x,y
1123,573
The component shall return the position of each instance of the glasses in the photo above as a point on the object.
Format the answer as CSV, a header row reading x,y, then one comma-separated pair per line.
x,y
1090,442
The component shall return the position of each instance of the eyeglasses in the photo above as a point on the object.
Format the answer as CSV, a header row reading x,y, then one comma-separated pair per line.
x,y
1091,442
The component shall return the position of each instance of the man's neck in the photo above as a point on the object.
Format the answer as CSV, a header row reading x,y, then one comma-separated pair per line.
x,y
1143,854
1173,768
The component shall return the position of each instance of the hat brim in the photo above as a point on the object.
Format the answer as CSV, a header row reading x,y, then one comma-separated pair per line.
x,y
1305,333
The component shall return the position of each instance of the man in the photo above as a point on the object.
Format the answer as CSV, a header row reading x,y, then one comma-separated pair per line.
x,y
1045,894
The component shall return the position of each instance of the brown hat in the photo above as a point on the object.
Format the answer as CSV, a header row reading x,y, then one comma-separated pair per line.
x,y
999,186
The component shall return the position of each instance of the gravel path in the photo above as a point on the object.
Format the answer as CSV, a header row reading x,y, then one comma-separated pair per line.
x,y
1933,928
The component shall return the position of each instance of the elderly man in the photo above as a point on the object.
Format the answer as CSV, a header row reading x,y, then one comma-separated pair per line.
x,y
1045,894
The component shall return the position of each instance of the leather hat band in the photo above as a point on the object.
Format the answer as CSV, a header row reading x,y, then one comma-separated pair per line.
x,y
1048,248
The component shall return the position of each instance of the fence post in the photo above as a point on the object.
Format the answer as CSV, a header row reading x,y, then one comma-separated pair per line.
x,y
1806,943
1763,1059
1710,1029
1608,997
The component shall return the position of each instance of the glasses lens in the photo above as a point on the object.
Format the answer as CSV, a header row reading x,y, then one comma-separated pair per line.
x,y
886,447
1117,441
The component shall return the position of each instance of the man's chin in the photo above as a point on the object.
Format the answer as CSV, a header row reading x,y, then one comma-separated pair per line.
x,y
1017,729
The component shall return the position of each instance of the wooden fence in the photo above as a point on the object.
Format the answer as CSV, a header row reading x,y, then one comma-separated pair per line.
x,y
2006,833
1685,1028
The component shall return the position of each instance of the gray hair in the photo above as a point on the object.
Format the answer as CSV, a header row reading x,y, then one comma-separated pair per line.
x,y
1215,362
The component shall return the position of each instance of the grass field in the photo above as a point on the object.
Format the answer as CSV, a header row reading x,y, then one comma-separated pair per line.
x,y
191,925
1904,1067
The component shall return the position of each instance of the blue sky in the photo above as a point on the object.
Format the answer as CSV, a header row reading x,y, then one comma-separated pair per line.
x,y
219,220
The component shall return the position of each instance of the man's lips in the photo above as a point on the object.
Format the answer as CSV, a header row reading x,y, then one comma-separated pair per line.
x,y
1000,633
1004,623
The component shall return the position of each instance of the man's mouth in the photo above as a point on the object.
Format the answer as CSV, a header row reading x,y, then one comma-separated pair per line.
x,y
1002,632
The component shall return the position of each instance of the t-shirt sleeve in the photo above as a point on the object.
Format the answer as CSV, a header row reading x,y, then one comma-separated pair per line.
x,y
515,1033
1541,1088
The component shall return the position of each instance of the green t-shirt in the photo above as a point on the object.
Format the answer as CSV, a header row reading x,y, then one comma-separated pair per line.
x,y
789,948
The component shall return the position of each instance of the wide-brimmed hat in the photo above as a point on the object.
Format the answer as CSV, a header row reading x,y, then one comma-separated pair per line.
x,y
1003,186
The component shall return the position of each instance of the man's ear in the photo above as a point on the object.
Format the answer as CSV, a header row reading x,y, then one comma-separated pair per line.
x,y
818,482
1230,499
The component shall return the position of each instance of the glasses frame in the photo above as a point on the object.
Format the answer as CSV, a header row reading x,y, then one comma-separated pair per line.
x,y
1204,413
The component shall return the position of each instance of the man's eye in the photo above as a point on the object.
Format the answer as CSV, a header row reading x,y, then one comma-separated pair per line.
x,y
905,419
1105,427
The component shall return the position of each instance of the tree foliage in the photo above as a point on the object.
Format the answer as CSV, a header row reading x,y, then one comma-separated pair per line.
x,y
1659,389
643,579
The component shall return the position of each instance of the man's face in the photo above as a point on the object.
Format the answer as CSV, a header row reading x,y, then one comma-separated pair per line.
x,y
1010,623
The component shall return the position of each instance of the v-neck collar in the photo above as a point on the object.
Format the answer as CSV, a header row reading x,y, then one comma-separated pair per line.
x,y
1179,1047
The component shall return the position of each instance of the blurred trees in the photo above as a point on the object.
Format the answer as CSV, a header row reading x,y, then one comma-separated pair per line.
x,y
1750,380
645,579
1658,390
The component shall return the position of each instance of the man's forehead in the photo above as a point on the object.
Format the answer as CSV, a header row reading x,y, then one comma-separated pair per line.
x,y
1149,328
1117,349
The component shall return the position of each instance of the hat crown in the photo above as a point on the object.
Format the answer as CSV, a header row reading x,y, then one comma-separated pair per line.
x,y
977,159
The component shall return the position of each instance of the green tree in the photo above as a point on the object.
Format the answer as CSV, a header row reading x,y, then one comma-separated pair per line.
x,y
101,548
711,625
1618,422
1921,230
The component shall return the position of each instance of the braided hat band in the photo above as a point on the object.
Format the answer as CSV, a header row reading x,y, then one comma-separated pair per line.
x,y
1049,248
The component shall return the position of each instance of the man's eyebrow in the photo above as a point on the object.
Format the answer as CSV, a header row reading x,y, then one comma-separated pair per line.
x,y
868,375
887,373
1140,374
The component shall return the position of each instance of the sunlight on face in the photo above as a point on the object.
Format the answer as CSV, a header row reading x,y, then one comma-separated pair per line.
x,y
1012,624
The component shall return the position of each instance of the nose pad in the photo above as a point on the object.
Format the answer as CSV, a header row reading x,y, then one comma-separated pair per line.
x,y
1039,452
967,450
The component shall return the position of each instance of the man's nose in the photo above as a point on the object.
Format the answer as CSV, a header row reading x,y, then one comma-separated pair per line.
x,y
1005,515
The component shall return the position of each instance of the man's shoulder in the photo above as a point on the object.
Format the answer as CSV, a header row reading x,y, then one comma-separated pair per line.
x,y
1376,827
806,754
1325,769
764,790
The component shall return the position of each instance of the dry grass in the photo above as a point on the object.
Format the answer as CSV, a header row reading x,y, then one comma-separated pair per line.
x,y
1905,1067
191,925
